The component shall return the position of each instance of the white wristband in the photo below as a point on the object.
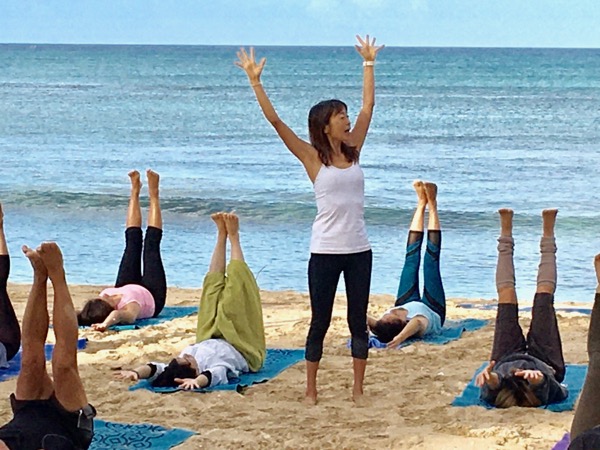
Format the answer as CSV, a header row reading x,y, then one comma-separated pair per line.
x,y
368,63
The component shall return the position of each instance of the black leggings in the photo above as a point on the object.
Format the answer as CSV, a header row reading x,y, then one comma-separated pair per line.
x,y
130,270
543,339
10,332
587,415
324,272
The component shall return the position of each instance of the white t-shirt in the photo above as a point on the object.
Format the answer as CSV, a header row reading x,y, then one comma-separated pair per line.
x,y
414,309
217,356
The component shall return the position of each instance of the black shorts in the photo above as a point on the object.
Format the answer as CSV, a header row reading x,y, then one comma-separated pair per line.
x,y
46,424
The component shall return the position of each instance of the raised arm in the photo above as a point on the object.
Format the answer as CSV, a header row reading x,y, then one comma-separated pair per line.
x,y
300,148
368,51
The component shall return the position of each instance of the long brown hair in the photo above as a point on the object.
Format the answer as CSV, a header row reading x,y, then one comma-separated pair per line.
x,y
318,119
516,392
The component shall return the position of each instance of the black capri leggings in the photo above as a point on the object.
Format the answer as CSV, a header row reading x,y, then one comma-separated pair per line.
x,y
10,332
130,269
324,272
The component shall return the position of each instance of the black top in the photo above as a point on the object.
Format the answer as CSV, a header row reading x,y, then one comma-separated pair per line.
x,y
548,391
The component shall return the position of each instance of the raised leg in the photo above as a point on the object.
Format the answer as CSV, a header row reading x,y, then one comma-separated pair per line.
x,y
508,335
10,332
433,289
543,339
587,414
33,382
323,276
233,231
408,290
218,259
134,212
130,268
154,213
68,387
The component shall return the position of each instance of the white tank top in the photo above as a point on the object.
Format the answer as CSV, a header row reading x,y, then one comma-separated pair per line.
x,y
339,227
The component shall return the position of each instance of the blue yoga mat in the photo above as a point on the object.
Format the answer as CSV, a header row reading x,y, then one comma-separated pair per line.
x,y
493,306
14,365
574,379
276,362
168,313
452,330
122,436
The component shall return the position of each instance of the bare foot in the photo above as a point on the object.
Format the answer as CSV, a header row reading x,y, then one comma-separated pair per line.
x,y
506,221
419,187
1,216
153,181
219,220
232,223
548,221
136,184
39,268
597,267
52,256
359,399
310,399
431,191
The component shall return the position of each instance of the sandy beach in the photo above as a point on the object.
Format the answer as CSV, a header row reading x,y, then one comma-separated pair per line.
x,y
409,391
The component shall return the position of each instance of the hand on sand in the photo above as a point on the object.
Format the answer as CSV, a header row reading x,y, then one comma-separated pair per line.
x,y
248,63
533,376
367,49
485,376
39,268
128,375
187,383
98,327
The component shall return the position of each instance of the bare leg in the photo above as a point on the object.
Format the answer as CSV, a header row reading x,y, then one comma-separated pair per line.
x,y
434,220
418,220
217,262
546,281
134,213
233,231
33,382
312,367
154,213
67,384
359,367
3,247
505,270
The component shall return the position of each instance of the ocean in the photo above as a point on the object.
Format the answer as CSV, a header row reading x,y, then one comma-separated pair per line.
x,y
493,128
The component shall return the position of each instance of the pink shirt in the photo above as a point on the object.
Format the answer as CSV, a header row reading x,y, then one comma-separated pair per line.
x,y
133,293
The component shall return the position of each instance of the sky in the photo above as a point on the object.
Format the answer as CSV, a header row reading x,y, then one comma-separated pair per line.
x,y
438,23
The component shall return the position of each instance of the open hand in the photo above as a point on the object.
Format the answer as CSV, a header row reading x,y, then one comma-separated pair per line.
x,y
485,375
98,327
187,383
367,49
533,376
248,63
128,375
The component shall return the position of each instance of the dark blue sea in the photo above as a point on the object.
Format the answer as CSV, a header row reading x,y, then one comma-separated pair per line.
x,y
494,128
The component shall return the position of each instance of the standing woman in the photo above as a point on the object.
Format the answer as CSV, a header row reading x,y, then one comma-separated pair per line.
x,y
339,240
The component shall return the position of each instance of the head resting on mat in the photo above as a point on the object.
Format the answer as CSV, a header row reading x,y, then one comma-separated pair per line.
x,y
95,310
388,327
181,367
516,391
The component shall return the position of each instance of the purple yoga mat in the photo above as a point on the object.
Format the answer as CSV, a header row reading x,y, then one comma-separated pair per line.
x,y
563,444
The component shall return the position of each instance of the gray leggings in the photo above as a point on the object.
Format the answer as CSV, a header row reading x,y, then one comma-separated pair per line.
x,y
587,415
